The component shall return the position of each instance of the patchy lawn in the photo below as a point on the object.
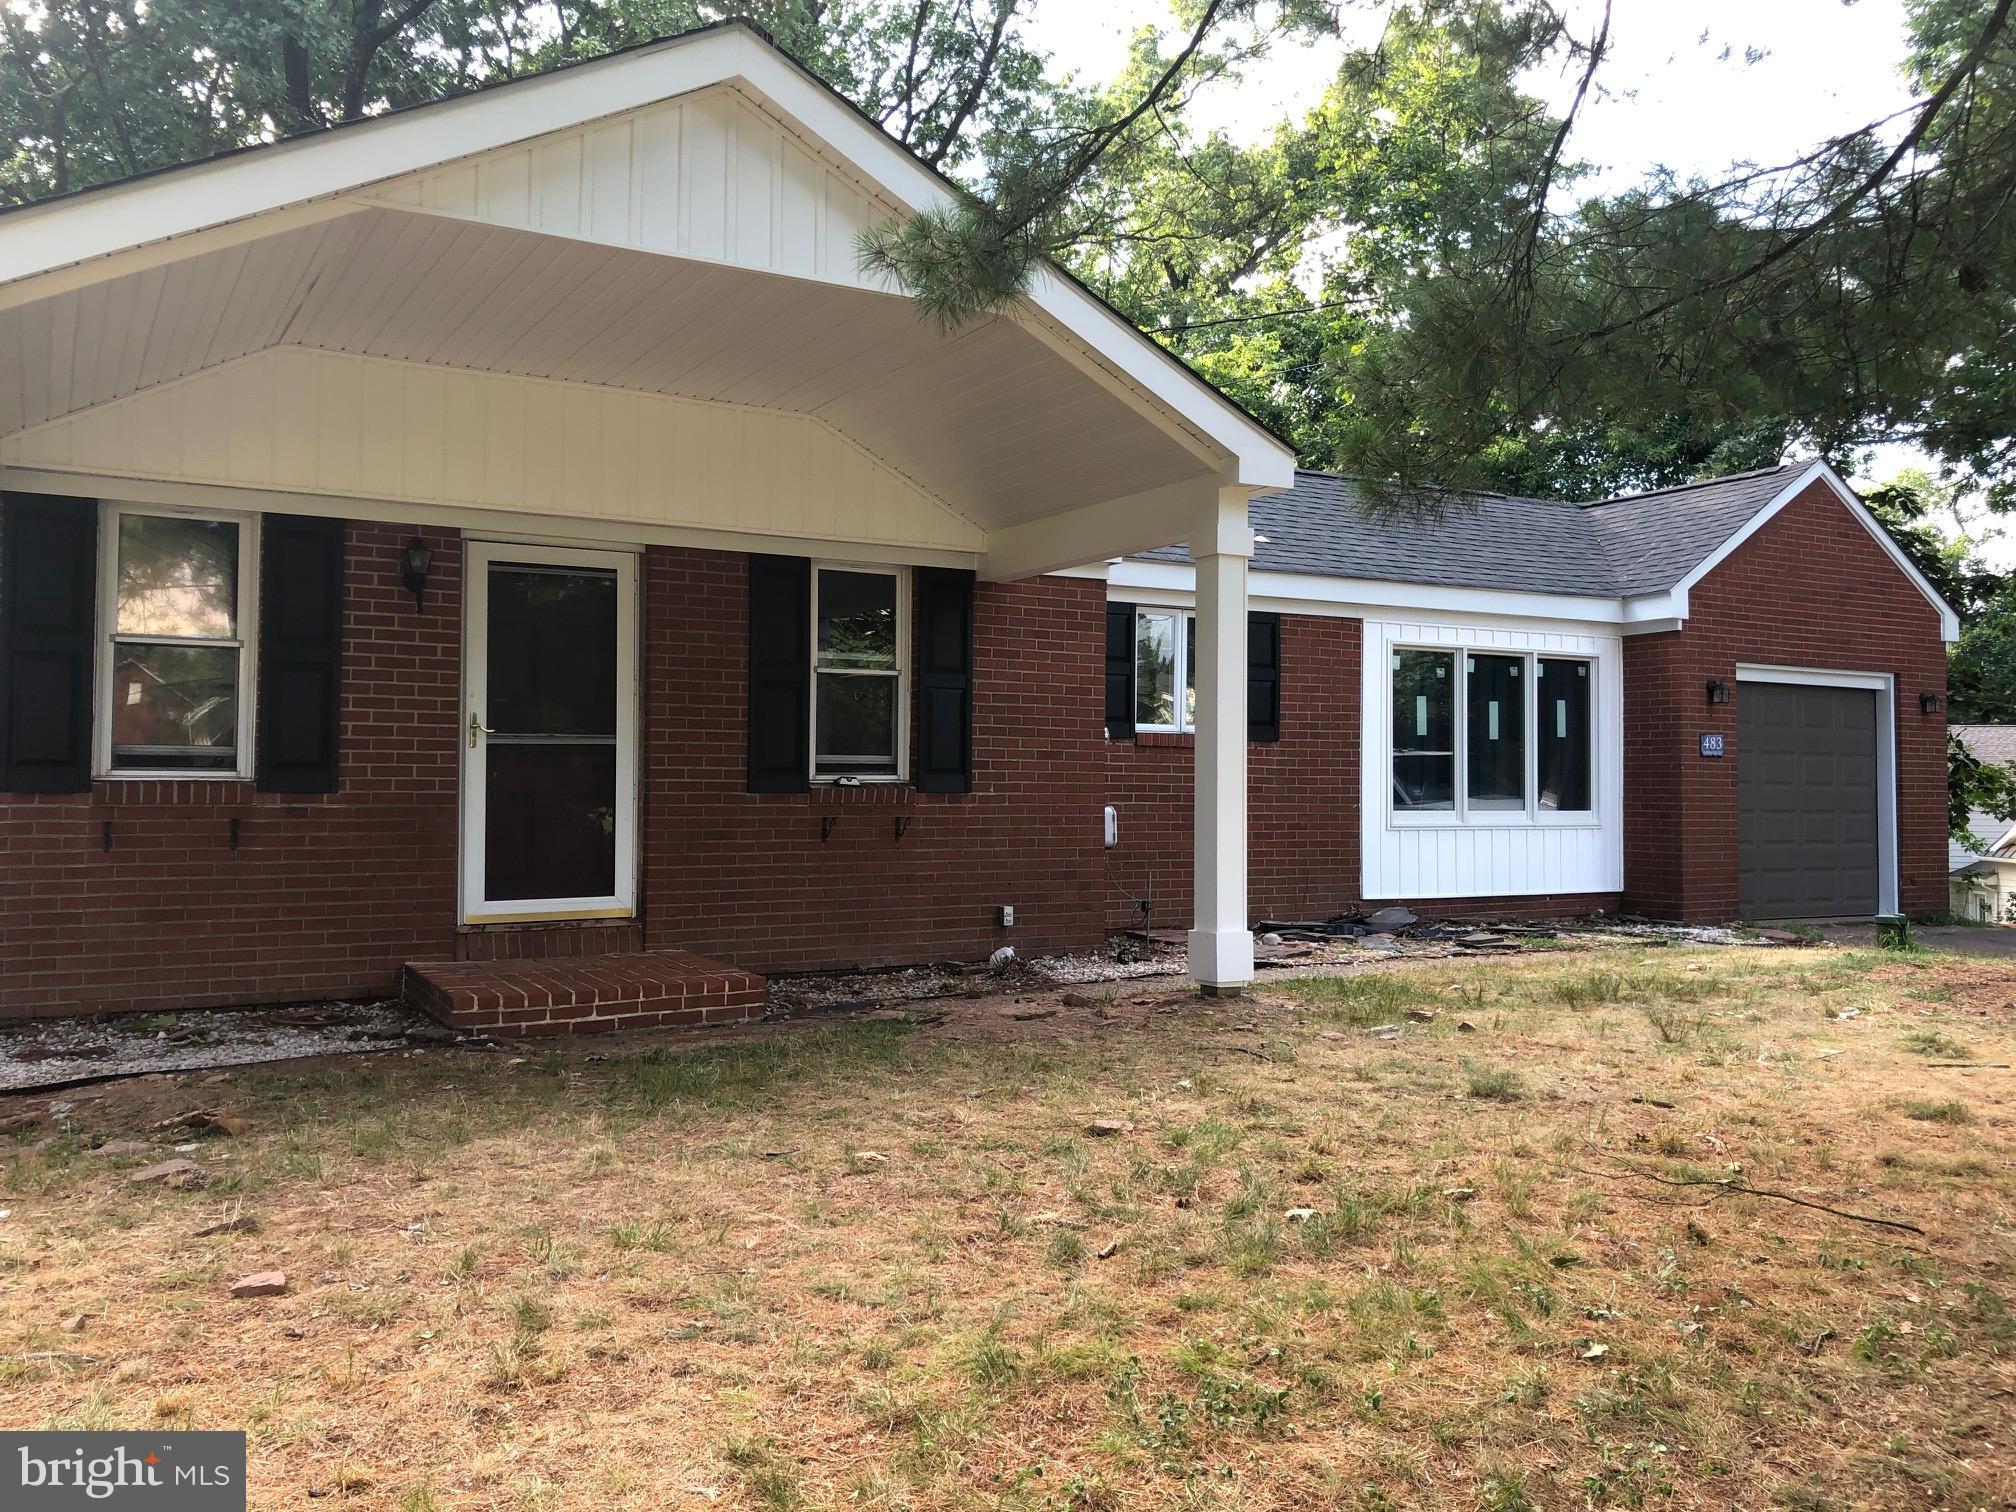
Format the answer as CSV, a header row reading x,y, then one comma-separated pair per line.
x,y
1498,1259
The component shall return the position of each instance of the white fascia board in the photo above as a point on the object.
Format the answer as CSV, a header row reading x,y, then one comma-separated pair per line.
x,y
1356,598
104,222
1949,621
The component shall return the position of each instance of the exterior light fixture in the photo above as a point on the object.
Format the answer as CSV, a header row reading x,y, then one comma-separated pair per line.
x,y
1931,703
1718,691
414,561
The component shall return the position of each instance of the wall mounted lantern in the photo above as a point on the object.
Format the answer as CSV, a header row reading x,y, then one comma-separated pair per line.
x,y
1931,703
1718,691
414,561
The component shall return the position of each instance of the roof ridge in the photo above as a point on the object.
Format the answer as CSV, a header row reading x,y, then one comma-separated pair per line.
x,y
1442,488
1672,488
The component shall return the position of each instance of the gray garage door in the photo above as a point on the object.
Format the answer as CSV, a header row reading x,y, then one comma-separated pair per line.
x,y
1806,785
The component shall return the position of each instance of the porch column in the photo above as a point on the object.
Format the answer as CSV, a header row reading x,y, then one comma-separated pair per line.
x,y
1221,946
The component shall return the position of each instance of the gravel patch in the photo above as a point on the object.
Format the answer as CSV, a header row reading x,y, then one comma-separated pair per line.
x,y
51,1052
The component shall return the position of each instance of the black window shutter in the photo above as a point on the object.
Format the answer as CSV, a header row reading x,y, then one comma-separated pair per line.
x,y
944,680
300,654
48,590
780,674
1119,671
1263,676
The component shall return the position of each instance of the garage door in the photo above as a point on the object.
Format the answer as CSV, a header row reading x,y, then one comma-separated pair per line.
x,y
1806,785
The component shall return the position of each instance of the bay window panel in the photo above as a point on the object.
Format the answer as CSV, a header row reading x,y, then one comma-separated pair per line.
x,y
1564,743
1495,737
1155,670
1424,730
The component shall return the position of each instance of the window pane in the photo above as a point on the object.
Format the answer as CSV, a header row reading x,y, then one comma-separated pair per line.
x,y
857,620
857,724
1564,734
552,652
1497,735
1424,730
1155,669
174,707
178,577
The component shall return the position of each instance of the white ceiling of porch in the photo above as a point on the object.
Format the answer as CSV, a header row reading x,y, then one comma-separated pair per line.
x,y
991,419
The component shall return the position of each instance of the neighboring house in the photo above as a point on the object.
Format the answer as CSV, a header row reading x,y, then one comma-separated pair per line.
x,y
1982,877
557,547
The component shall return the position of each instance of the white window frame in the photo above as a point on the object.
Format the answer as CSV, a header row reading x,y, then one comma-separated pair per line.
x,y
901,575
246,642
1462,815
1186,621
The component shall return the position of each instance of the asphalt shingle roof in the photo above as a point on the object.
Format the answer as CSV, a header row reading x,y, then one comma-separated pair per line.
x,y
1331,526
1654,540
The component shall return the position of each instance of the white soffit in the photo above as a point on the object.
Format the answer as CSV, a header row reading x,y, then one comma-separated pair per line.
x,y
989,420
747,178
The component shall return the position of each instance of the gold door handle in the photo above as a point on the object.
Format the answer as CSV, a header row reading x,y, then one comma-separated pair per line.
x,y
477,727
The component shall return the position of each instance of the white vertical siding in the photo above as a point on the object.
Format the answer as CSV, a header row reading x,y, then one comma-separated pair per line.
x,y
707,176
1490,855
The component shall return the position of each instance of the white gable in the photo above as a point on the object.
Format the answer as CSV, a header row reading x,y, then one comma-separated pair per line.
x,y
709,176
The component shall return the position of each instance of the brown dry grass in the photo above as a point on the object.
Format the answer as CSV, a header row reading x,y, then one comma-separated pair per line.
x,y
683,1277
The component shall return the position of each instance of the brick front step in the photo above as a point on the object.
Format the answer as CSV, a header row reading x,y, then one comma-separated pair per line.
x,y
644,989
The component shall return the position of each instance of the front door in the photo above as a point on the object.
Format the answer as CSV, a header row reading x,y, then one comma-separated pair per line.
x,y
549,734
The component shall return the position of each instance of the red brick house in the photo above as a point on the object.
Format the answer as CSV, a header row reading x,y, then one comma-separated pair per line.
x,y
512,536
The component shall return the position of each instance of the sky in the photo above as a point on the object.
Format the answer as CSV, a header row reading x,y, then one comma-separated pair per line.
x,y
1691,85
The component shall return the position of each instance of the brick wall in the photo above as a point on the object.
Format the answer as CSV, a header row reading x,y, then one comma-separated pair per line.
x,y
1301,795
324,896
747,877
1809,589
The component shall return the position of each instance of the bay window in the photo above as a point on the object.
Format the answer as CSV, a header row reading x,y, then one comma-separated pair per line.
x,y
858,702
1490,737
177,600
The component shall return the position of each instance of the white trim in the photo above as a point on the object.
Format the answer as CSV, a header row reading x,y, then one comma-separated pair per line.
x,y
246,643
901,675
99,224
1889,888
1356,598
622,903
500,525
1949,621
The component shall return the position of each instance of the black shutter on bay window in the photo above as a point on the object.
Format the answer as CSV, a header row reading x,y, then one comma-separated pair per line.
x,y
944,680
1119,671
780,674
1263,676
300,654
48,589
